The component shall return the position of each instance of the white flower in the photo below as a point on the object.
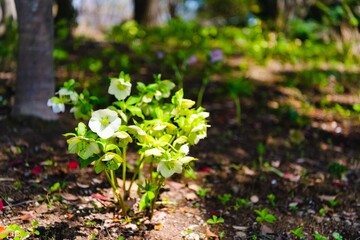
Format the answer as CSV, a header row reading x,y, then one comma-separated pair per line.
x,y
104,122
56,104
73,96
168,168
119,88
184,149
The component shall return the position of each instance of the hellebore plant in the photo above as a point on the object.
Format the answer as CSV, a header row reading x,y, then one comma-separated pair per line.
x,y
161,125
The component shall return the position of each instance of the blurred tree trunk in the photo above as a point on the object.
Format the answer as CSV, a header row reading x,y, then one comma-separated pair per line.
x,y
35,82
147,12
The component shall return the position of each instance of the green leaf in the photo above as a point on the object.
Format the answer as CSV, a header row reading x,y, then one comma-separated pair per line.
x,y
87,149
110,147
112,165
132,100
136,111
99,166
55,187
81,129
146,199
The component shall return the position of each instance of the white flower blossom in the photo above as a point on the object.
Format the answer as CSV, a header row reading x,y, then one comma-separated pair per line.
x,y
168,168
56,104
119,88
104,122
73,96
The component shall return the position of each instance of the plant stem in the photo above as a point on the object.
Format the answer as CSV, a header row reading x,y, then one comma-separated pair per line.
x,y
238,110
135,174
110,175
202,91
124,172
159,185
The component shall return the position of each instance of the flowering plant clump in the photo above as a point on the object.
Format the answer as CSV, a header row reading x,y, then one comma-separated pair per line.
x,y
163,126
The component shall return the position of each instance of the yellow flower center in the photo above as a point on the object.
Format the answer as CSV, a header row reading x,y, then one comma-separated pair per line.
x,y
105,121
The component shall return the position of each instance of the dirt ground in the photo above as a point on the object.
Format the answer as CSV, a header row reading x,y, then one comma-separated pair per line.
x,y
302,157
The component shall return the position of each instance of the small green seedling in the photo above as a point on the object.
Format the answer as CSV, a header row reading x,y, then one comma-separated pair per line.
x,y
19,233
318,236
261,151
323,211
241,202
202,192
333,203
265,216
221,235
215,220
337,236
337,170
225,198
298,232
271,197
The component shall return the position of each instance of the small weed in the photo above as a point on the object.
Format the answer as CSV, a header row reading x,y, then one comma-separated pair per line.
x,y
225,198
318,236
215,220
221,235
323,211
298,232
19,233
293,206
202,192
265,216
337,236
271,197
241,202
261,151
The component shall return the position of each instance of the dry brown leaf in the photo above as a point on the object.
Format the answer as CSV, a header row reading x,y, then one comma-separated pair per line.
x,y
194,187
69,197
24,217
209,234
175,185
191,196
43,208
326,198
158,226
248,171
266,229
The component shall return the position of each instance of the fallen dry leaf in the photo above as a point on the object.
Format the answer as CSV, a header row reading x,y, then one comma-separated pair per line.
x,y
158,226
248,171
326,198
24,217
69,197
43,208
266,229
100,197
191,196
209,234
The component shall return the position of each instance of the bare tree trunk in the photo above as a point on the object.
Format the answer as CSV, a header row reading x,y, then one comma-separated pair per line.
x,y
35,73
147,12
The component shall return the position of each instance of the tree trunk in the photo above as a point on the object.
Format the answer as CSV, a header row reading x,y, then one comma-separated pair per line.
x,y
148,12
35,82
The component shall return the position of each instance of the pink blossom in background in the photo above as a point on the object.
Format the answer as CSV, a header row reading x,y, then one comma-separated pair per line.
x,y
37,169
73,164
160,54
1,204
216,55
191,60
